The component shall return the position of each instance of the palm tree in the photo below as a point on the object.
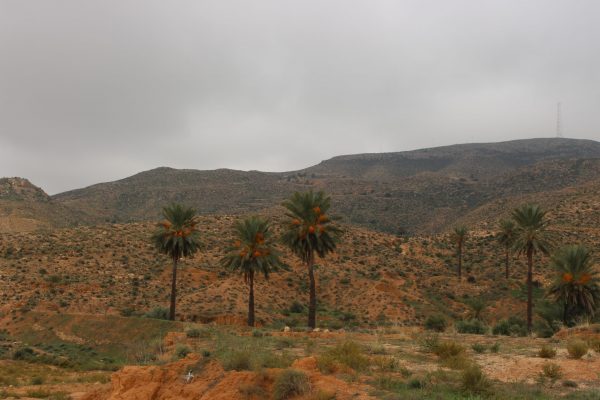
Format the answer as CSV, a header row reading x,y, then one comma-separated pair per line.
x,y
458,236
576,285
506,237
252,253
177,236
309,230
531,237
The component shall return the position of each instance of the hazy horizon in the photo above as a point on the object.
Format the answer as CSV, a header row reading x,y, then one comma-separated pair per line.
x,y
99,91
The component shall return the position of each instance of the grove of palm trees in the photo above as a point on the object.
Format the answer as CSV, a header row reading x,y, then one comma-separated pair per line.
x,y
297,303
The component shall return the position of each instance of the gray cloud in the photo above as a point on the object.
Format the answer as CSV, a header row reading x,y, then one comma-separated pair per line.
x,y
97,90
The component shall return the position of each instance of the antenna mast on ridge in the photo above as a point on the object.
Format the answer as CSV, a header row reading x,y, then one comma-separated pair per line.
x,y
558,122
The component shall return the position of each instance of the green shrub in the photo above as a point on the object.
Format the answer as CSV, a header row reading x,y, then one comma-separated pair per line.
x,y
595,345
458,362
436,323
547,352
416,383
24,353
577,348
158,313
181,351
327,363
37,380
447,349
495,348
550,371
257,333
474,381
289,383
296,308
473,326
512,326
478,348
193,333
386,363
569,384
428,343
238,360
347,353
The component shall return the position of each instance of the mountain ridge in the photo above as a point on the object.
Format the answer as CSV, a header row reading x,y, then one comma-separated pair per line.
x,y
417,191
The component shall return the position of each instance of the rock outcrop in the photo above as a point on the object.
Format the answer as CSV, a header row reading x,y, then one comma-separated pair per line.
x,y
210,381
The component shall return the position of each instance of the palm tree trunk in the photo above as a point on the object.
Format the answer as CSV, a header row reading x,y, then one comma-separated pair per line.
x,y
529,288
459,261
565,313
507,260
251,299
173,290
312,305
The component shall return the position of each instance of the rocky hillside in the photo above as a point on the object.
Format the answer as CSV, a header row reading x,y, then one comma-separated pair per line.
x,y
25,207
374,278
422,191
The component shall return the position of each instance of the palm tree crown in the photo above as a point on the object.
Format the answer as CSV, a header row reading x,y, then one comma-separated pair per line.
x,y
251,253
576,285
506,235
309,228
177,236
530,232
252,250
531,237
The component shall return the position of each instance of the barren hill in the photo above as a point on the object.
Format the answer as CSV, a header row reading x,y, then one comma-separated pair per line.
x,y
25,207
421,191
416,191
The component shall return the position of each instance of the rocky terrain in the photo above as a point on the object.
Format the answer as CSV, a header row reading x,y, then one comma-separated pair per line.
x,y
421,191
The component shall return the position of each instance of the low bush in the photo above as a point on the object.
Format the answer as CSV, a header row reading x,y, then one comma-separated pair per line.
x,y
386,363
479,348
447,349
512,326
473,326
547,352
181,351
595,345
196,333
551,372
158,313
428,343
349,354
289,383
577,348
569,384
436,323
237,360
474,381
495,348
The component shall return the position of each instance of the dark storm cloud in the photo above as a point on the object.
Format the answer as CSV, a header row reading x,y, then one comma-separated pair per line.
x,y
98,90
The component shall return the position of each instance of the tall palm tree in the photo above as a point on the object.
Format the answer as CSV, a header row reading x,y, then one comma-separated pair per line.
x,y
458,236
177,236
506,237
577,285
252,253
531,237
310,230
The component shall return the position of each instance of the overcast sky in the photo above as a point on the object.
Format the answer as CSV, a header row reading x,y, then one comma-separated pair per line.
x,y
94,91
